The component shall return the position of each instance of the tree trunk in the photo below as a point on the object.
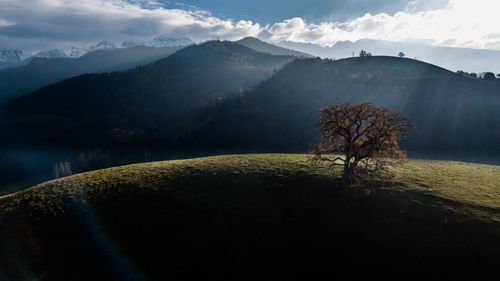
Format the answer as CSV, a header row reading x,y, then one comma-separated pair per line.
x,y
347,173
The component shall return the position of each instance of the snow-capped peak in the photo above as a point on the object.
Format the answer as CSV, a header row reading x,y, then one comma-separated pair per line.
x,y
11,56
76,52
15,56
164,41
130,44
103,45
50,54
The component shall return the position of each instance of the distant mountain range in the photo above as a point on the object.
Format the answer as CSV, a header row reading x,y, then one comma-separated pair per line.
x,y
14,58
11,58
263,47
43,71
126,106
470,60
53,66
7,56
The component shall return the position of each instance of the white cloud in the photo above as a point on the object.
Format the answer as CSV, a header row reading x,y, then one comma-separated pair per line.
x,y
412,6
42,24
62,22
461,23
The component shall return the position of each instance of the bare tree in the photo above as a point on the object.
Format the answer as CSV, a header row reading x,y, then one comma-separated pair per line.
x,y
401,55
55,171
363,139
62,169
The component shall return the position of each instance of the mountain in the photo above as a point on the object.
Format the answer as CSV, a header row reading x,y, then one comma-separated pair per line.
x,y
454,117
14,58
129,44
51,54
164,41
10,58
41,72
144,102
470,60
260,46
76,52
103,45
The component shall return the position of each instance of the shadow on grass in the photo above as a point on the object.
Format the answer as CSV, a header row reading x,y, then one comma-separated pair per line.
x,y
248,226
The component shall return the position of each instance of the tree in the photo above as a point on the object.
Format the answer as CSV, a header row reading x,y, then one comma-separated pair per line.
x,y
471,75
498,75
363,139
364,54
489,76
401,55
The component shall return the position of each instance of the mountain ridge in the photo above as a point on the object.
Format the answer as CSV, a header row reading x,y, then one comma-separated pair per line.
x,y
261,46
176,75
41,72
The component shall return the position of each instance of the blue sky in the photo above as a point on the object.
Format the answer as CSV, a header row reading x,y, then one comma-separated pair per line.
x,y
34,25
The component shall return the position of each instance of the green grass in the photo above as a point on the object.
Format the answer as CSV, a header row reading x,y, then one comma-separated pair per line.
x,y
464,182
260,216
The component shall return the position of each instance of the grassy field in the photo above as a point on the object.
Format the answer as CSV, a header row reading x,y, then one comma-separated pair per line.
x,y
252,217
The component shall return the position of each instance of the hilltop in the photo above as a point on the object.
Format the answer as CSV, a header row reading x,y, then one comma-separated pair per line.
x,y
477,60
264,217
453,116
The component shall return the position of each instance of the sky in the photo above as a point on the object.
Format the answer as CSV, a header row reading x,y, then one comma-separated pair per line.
x,y
35,25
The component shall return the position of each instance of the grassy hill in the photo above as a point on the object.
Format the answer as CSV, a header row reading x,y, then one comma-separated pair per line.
x,y
252,217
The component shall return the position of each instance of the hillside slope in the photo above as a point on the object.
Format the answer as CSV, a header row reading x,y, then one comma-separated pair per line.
x,y
147,102
454,117
41,72
266,217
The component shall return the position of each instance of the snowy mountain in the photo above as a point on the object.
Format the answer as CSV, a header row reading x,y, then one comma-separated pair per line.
x,y
51,54
11,56
76,52
163,41
103,45
130,44
14,58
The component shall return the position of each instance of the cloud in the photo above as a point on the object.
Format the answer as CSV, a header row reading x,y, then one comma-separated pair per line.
x,y
43,24
461,23
63,22
412,6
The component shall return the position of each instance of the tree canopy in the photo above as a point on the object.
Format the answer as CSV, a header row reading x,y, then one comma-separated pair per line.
x,y
364,53
363,138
